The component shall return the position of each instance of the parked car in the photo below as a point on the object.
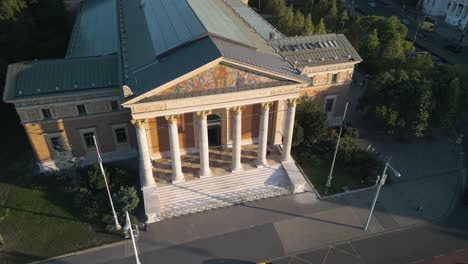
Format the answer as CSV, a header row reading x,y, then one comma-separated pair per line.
x,y
372,4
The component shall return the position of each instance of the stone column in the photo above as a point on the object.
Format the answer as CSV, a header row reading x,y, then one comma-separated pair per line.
x,y
177,175
288,132
146,169
203,144
263,135
237,138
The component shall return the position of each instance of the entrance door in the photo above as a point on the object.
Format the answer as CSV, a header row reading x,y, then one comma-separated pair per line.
x,y
214,130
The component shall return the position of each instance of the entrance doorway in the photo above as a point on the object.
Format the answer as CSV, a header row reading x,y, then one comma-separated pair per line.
x,y
214,130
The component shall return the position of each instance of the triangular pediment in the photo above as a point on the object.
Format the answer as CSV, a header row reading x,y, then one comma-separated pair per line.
x,y
218,78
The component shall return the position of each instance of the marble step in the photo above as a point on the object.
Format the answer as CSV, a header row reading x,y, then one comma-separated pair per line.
x,y
223,200
222,184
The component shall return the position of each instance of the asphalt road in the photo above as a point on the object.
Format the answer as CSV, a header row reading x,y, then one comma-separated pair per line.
x,y
445,242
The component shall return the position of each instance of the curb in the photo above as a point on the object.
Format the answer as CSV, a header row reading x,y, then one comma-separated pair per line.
x,y
81,252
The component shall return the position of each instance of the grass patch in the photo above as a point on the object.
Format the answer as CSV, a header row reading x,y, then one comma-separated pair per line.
x,y
41,224
317,172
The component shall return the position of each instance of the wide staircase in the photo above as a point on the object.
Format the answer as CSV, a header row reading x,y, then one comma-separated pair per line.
x,y
220,191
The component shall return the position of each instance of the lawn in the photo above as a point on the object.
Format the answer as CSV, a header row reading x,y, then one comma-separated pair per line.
x,y
40,224
318,172
42,221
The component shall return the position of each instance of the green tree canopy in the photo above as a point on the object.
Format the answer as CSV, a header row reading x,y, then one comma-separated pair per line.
x,y
298,23
308,26
332,15
286,20
391,34
320,29
312,120
10,8
420,96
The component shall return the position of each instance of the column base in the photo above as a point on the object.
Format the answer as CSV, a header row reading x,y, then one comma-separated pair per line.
x,y
205,175
261,164
151,204
237,169
178,181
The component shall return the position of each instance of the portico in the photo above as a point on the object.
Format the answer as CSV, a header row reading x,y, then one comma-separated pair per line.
x,y
174,134
235,141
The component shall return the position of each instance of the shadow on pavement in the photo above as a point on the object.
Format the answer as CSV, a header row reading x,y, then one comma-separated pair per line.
x,y
226,261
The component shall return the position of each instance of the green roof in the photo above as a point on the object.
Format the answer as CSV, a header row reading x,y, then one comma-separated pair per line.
x,y
95,30
35,78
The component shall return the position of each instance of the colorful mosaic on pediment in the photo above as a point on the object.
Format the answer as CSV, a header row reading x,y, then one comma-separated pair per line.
x,y
220,76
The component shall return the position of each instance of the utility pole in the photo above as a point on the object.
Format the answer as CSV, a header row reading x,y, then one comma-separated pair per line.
x,y
352,9
462,36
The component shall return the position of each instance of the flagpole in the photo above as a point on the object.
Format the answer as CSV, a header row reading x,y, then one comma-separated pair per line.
x,y
133,238
330,176
117,225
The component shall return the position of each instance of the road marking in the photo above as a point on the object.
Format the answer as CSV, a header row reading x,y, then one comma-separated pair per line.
x,y
459,250
438,256
418,261
326,256
306,261
355,251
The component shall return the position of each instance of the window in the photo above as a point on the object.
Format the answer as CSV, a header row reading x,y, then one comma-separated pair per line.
x,y
81,109
57,143
46,113
114,106
334,78
88,139
120,135
329,104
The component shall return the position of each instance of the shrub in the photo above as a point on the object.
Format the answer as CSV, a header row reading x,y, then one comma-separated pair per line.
x,y
126,199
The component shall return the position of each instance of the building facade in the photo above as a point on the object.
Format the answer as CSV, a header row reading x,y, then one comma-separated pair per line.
x,y
207,103
454,11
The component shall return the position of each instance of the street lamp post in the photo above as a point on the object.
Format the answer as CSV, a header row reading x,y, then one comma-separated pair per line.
x,y
116,220
380,184
418,24
330,175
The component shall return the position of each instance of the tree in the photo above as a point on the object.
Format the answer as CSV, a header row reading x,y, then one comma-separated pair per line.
x,y
322,7
308,26
373,44
344,18
126,199
286,19
298,23
332,15
320,29
312,120
10,8
400,101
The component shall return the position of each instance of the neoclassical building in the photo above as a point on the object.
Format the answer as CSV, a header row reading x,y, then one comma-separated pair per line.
x,y
203,92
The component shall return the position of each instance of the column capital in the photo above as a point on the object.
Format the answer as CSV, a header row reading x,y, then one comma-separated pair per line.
x,y
266,105
292,101
138,122
172,118
238,109
201,115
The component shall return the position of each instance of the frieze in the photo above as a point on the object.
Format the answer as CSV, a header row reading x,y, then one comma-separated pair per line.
x,y
308,70
203,100
149,108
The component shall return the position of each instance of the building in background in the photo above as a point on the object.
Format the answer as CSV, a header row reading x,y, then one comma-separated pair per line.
x,y
455,12
206,101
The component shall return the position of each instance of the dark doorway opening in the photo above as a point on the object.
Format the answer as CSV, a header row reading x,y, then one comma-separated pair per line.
x,y
214,130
